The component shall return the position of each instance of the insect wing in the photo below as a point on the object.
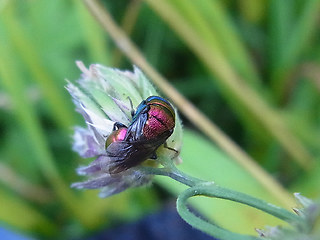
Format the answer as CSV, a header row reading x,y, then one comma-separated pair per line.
x,y
119,154
135,130
124,155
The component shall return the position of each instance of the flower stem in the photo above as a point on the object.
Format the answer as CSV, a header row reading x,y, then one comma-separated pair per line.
x,y
213,190
176,175
203,225
210,189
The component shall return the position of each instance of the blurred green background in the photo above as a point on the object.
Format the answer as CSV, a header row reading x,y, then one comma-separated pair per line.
x,y
252,67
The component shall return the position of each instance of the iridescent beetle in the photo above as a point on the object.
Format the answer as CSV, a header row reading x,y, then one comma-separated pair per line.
x,y
151,125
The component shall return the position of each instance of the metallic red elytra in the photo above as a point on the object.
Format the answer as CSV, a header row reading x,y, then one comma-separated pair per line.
x,y
151,125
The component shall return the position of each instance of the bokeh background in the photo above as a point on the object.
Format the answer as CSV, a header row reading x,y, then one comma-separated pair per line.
x,y
252,67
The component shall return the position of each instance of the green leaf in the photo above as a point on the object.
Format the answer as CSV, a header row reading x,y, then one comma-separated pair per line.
x,y
308,184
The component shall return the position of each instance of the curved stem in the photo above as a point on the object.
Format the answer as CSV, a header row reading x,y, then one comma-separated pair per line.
x,y
207,227
212,190
176,175
209,189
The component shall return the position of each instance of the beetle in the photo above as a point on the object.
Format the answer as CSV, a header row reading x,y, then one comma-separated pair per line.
x,y
152,124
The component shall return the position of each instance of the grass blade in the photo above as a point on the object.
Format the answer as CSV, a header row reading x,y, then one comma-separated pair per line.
x,y
12,209
95,39
212,24
62,112
27,120
293,43
231,84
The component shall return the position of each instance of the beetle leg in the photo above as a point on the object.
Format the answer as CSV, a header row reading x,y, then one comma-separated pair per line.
x,y
165,145
154,156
